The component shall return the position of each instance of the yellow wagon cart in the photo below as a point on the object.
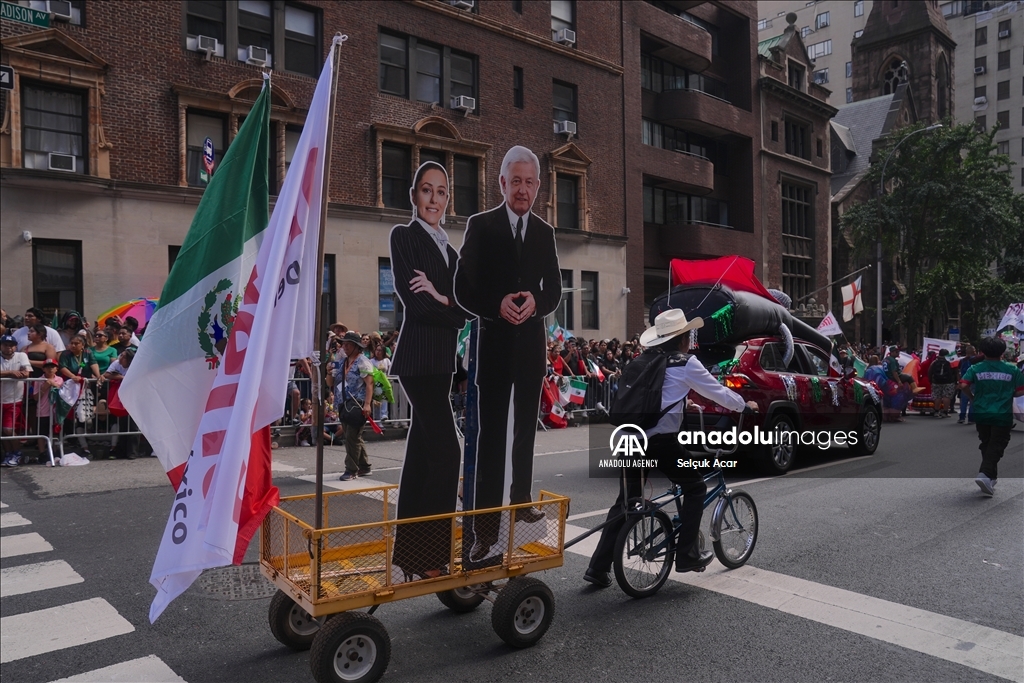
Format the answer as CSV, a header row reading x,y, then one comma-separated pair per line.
x,y
323,574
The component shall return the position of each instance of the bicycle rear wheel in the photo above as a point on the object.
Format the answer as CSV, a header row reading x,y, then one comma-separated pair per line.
x,y
643,553
736,529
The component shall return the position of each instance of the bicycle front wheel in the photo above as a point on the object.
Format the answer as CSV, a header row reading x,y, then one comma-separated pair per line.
x,y
736,530
643,554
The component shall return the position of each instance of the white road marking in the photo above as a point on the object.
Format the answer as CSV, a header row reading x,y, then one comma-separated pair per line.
x,y
954,640
276,466
24,544
57,628
149,669
28,578
9,519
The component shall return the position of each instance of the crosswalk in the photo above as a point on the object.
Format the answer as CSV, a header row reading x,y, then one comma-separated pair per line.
x,y
35,633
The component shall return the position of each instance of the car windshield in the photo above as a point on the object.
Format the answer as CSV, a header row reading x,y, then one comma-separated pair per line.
x,y
717,357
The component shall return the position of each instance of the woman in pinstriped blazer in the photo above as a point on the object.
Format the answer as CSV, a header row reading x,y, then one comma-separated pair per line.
x,y
423,264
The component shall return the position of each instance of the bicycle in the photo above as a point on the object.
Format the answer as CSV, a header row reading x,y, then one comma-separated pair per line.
x,y
645,546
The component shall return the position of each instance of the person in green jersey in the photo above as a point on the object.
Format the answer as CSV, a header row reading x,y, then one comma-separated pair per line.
x,y
991,386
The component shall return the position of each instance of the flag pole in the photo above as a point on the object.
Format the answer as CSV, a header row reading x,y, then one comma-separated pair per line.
x,y
318,324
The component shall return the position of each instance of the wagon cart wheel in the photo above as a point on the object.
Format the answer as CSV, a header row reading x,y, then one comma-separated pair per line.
x,y
460,600
523,611
351,646
290,624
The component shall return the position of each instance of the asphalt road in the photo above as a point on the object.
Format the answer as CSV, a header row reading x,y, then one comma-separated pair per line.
x,y
887,568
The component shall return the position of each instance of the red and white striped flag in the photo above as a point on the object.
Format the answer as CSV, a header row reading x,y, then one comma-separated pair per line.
x,y
226,488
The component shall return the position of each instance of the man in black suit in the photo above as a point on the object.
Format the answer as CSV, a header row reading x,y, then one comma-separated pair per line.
x,y
508,276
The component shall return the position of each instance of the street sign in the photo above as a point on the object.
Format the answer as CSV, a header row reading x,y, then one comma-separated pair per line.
x,y
6,78
35,17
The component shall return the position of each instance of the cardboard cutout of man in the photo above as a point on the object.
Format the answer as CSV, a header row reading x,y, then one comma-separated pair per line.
x,y
507,276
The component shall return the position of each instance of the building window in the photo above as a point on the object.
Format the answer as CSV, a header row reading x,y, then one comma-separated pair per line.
x,y
437,73
53,122
206,18
517,87
775,131
396,165
980,91
820,76
389,307
517,6
820,145
467,186
255,27
172,255
563,15
1003,60
796,77
658,75
981,35
762,24
849,95
894,75
805,31
589,314
950,9
292,134
199,126
980,123
567,190
563,101
329,300
819,49
981,62
668,207
564,312
1003,120
677,140
437,156
858,8
1003,147
394,64
1003,90
797,139
849,69
57,275
797,239
1004,29
821,21
302,41
858,34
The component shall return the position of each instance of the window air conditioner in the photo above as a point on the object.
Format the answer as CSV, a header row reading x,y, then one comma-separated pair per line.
x,y
254,54
979,70
61,162
1004,34
565,36
464,102
59,8
980,101
206,44
462,4
565,127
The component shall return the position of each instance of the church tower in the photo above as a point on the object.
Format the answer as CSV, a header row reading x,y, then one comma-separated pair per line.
x,y
906,41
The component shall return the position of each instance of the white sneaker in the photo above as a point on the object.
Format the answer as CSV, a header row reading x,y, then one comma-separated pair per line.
x,y
986,485
303,443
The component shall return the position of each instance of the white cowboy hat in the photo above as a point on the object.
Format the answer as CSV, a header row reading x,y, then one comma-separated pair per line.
x,y
668,325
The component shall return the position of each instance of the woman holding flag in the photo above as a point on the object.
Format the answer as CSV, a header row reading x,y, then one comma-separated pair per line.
x,y
424,263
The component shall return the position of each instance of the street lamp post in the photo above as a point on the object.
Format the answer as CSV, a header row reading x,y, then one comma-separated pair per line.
x,y
878,268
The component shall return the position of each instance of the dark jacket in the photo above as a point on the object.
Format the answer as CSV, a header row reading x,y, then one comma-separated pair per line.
x,y
426,345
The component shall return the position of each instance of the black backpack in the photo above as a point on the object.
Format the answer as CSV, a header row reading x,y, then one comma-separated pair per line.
x,y
638,400
942,371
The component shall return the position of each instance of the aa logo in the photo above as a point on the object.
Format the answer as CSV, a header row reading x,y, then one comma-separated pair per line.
x,y
628,441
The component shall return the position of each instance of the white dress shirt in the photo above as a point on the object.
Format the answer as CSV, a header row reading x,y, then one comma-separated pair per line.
x,y
513,218
52,336
679,381
439,236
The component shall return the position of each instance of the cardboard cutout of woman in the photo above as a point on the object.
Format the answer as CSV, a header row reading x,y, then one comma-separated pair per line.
x,y
423,263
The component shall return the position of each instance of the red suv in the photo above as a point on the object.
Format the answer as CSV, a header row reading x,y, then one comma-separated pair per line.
x,y
806,395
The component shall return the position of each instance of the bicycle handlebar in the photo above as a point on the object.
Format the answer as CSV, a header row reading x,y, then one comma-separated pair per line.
x,y
718,451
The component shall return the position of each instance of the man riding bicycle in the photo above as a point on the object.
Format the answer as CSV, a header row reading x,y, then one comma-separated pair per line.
x,y
671,331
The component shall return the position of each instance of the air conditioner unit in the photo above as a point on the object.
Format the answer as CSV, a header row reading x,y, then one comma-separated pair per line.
x,y
464,102
207,44
979,70
565,127
254,54
980,101
59,8
462,4
61,162
565,36
1004,34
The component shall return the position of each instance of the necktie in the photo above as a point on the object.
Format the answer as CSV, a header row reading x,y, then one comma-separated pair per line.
x,y
519,237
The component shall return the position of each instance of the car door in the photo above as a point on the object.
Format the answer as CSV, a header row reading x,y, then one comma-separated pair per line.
x,y
831,416
790,381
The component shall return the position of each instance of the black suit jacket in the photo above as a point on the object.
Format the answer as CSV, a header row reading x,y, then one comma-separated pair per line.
x,y
489,270
426,345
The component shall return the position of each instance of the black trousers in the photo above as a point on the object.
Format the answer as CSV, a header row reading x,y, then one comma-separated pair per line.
x,y
666,448
430,475
994,440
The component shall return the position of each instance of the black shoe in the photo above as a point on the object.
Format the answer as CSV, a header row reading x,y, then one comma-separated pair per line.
x,y
479,552
599,579
529,515
694,561
364,472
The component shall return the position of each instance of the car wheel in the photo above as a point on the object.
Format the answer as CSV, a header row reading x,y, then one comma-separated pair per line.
x,y
777,458
869,430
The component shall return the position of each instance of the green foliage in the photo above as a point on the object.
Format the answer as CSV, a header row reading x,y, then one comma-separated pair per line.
x,y
949,214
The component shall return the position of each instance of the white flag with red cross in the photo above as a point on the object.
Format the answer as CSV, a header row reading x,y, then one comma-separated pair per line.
x,y
852,301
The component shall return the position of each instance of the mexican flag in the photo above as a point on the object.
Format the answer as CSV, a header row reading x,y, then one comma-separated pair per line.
x,y
577,390
596,370
463,344
176,365
557,416
64,399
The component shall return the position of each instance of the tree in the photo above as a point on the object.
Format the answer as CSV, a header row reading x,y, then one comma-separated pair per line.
x,y
949,220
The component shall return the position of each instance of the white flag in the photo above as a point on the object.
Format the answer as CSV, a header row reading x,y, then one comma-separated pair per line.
x,y
274,324
829,326
852,301
936,345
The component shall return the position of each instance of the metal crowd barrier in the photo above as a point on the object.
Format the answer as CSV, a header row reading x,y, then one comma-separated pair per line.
x,y
30,425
